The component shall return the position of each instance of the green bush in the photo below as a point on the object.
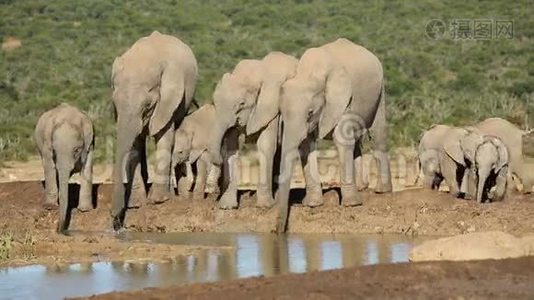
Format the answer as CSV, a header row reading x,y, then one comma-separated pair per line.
x,y
68,47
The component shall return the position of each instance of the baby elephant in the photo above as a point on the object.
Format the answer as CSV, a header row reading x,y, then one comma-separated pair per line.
x,y
430,152
471,163
486,159
190,147
64,136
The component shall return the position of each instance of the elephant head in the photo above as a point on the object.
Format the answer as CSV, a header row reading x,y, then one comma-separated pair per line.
x,y
314,99
484,156
249,96
491,160
183,148
430,166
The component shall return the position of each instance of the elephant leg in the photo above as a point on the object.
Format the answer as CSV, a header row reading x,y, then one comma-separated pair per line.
x,y
212,182
465,185
138,194
349,192
266,149
448,170
231,144
527,179
379,132
51,183
500,184
200,182
85,200
362,182
185,182
159,192
308,155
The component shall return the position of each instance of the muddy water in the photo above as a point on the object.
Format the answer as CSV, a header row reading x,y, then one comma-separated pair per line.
x,y
232,256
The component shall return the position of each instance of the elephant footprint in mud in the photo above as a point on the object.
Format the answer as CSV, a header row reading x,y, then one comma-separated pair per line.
x,y
153,85
65,139
191,143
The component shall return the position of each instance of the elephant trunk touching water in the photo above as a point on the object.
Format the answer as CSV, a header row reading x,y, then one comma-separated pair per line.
x,y
337,92
126,159
247,105
153,85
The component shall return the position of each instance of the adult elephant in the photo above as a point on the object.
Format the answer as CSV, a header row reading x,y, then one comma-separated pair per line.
x,y
338,91
247,100
153,85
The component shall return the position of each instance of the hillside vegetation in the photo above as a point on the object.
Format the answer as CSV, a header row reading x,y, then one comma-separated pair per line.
x,y
68,47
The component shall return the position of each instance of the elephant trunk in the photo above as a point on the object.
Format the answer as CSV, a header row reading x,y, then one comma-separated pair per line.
x,y
127,132
64,167
289,156
220,128
483,174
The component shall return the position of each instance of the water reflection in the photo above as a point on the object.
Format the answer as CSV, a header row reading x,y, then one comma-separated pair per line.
x,y
238,256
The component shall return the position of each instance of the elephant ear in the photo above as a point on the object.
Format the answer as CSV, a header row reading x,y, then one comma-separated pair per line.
x,y
469,144
266,108
171,94
454,150
196,150
502,150
338,92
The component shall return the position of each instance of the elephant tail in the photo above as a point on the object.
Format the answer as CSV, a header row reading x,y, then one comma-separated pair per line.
x,y
378,128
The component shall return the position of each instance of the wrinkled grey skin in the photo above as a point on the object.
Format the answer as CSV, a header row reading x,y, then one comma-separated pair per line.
x,y
64,137
153,85
247,104
431,146
338,90
512,137
485,159
191,142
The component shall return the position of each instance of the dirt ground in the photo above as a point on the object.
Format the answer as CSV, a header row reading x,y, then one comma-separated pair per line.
x,y
489,279
27,236
32,228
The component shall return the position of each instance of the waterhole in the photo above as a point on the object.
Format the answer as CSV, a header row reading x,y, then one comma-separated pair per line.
x,y
232,256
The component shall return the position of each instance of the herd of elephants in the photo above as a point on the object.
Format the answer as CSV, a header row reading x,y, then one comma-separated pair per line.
x,y
283,104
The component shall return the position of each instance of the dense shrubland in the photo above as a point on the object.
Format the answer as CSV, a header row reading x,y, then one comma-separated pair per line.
x,y
68,47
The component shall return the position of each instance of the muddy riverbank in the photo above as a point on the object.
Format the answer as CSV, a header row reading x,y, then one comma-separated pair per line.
x,y
488,279
30,228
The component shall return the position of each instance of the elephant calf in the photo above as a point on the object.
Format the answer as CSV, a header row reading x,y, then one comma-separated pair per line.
x,y
191,142
471,163
64,136
431,150
513,138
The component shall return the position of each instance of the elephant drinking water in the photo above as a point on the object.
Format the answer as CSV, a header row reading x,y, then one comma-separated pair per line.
x,y
338,91
153,85
248,99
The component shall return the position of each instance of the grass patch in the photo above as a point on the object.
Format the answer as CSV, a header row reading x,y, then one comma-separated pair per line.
x,y
11,246
68,47
6,246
